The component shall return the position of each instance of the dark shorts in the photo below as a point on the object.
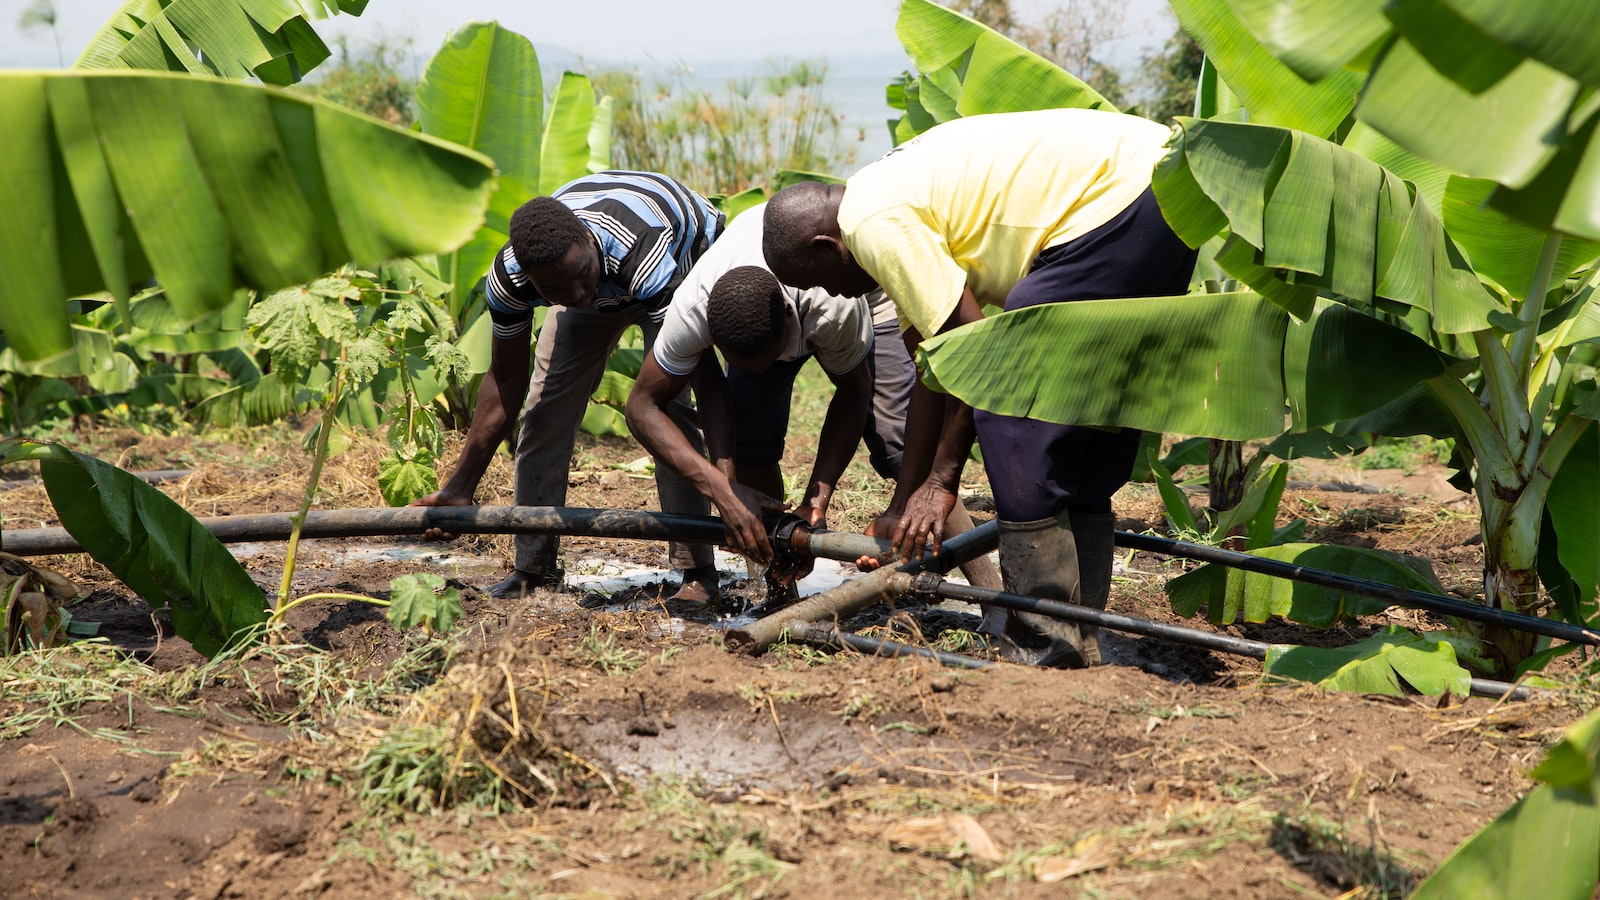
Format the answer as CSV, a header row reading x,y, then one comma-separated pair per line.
x,y
761,405
761,411
1037,469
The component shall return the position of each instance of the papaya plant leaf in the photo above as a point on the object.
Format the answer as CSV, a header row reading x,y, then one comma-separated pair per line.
x,y
121,176
156,547
270,39
1376,665
422,599
402,480
1233,594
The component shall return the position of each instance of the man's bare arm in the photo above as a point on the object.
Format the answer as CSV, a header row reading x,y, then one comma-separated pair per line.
x,y
841,435
741,507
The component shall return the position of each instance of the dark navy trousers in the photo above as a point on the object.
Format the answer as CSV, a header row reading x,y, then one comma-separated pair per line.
x,y
1038,469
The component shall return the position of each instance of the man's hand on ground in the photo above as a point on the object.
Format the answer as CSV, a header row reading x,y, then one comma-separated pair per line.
x,y
922,526
742,527
441,498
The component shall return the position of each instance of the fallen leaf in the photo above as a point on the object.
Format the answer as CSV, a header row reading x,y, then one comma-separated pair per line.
x,y
1088,855
954,835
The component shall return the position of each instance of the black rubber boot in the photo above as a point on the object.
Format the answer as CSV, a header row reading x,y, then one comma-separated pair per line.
x,y
1044,558
520,584
1095,537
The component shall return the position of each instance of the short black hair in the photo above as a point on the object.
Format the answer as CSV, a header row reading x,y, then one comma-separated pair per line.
x,y
792,218
746,312
543,230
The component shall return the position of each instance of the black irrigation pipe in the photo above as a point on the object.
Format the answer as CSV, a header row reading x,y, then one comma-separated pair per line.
x,y
414,520
929,583
1405,597
829,636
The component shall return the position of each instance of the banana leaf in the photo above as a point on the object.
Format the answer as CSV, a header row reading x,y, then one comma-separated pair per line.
x,y
967,68
1575,514
208,186
1232,595
577,133
1306,214
270,39
152,544
1494,90
1230,366
1544,845
1376,665
480,91
1272,92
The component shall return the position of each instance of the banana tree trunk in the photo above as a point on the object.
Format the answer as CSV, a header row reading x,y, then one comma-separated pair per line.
x,y
1227,485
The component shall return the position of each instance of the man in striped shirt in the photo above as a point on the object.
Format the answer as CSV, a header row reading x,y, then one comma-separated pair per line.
x,y
605,252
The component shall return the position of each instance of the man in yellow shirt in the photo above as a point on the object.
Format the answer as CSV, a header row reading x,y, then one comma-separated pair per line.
x,y
1008,210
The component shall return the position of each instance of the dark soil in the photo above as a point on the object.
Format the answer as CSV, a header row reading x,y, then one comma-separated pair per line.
x,y
689,770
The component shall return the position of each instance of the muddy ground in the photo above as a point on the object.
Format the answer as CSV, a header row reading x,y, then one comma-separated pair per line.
x,y
575,744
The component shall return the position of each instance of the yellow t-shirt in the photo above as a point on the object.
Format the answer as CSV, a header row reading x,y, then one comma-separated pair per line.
x,y
974,200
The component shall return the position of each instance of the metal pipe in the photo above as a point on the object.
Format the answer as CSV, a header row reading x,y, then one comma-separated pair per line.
x,y
859,593
1410,599
1177,634
829,636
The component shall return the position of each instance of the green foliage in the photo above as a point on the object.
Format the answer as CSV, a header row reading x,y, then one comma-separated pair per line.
x,y
1305,214
388,343
1427,663
269,39
1488,90
481,91
151,544
724,143
1215,365
122,176
1229,595
966,68
606,653
423,599
1544,845
1255,516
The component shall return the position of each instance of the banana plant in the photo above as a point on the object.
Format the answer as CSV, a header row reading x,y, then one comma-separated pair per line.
x,y
480,91
1313,227
270,39
117,177
966,68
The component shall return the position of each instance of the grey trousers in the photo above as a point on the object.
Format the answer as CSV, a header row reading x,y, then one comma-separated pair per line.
x,y
568,363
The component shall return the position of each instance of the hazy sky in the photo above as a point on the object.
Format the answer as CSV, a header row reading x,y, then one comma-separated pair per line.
x,y
613,31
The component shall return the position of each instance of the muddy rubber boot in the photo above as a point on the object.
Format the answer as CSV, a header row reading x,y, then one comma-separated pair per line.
x,y
1095,537
1040,559
520,584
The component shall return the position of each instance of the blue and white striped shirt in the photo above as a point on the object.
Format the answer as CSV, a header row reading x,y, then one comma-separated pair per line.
x,y
650,229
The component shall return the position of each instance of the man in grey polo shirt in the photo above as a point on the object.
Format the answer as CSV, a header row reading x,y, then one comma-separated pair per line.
x,y
766,332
